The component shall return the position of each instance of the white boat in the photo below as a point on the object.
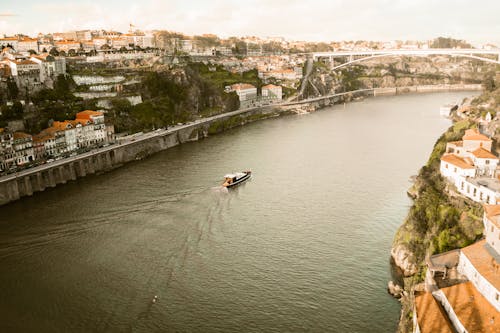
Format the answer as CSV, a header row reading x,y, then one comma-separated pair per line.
x,y
233,179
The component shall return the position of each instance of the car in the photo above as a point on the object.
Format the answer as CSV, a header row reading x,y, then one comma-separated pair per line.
x,y
50,160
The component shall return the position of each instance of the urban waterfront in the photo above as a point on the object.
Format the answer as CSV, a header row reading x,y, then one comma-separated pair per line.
x,y
303,246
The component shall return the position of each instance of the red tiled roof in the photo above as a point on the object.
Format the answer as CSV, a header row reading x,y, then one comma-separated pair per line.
x,y
474,135
492,213
483,153
472,309
431,317
87,114
484,263
457,161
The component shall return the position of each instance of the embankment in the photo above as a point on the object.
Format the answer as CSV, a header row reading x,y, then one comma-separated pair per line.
x,y
30,181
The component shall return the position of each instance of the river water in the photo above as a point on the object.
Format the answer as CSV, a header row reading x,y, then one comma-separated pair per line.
x,y
302,247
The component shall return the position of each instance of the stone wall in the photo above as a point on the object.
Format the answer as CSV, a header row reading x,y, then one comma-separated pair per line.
x,y
25,183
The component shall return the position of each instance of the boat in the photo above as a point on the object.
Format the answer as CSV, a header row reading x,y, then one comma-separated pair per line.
x,y
236,178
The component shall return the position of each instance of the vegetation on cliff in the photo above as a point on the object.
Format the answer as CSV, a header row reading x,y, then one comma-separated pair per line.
x,y
175,96
438,222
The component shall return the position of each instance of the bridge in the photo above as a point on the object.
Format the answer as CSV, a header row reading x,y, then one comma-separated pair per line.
x,y
359,56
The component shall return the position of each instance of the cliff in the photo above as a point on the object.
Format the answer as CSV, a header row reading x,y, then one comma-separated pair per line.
x,y
395,72
440,219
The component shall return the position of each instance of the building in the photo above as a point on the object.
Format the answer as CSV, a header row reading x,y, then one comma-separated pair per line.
x,y
23,148
471,306
66,45
472,167
27,44
271,91
6,150
429,317
9,42
244,91
467,309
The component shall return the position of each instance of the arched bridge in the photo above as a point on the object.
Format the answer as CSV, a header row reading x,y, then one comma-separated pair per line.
x,y
359,56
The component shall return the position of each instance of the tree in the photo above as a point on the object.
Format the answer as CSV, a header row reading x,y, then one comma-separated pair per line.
x,y
489,83
12,89
32,52
53,52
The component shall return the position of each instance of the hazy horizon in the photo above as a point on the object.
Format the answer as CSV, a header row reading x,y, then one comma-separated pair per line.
x,y
379,20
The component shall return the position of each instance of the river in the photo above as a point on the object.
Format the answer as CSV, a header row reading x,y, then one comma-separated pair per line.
x,y
301,247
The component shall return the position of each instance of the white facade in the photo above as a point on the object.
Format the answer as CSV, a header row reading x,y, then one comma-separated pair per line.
x,y
27,44
453,171
492,231
479,191
485,166
272,92
244,91
482,285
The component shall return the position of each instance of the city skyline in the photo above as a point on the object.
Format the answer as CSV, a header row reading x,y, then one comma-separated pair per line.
x,y
322,21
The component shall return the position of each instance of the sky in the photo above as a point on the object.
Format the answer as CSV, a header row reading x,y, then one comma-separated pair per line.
x,y
476,21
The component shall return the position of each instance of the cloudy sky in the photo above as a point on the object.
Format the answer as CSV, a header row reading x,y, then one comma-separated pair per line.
x,y
317,20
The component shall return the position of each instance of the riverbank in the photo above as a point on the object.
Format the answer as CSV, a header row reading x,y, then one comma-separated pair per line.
x,y
439,220
37,179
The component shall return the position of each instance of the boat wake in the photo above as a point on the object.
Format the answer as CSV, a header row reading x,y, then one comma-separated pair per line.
x,y
220,189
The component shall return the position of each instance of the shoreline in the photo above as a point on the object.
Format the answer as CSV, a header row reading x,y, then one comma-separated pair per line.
x,y
27,182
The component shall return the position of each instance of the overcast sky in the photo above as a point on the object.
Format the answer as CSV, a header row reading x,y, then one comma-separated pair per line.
x,y
316,20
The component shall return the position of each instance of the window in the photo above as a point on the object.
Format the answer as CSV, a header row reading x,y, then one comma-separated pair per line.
x,y
492,229
487,161
455,170
475,191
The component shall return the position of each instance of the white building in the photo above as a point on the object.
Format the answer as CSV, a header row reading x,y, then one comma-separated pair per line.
x,y
26,44
452,167
272,92
23,148
485,162
480,262
244,91
491,221
9,41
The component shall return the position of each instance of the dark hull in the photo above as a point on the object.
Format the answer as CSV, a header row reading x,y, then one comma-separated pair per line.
x,y
239,181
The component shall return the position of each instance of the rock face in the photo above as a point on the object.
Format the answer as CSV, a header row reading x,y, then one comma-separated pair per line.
x,y
394,289
403,258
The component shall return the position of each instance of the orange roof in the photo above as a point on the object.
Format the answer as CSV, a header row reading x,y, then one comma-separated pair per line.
x,y
87,114
492,213
486,264
472,309
270,86
457,143
431,317
27,39
83,122
483,153
21,135
25,62
474,135
62,125
241,86
67,42
456,161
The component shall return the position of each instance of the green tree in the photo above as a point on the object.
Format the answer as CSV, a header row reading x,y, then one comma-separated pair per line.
x,y
489,83
12,89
